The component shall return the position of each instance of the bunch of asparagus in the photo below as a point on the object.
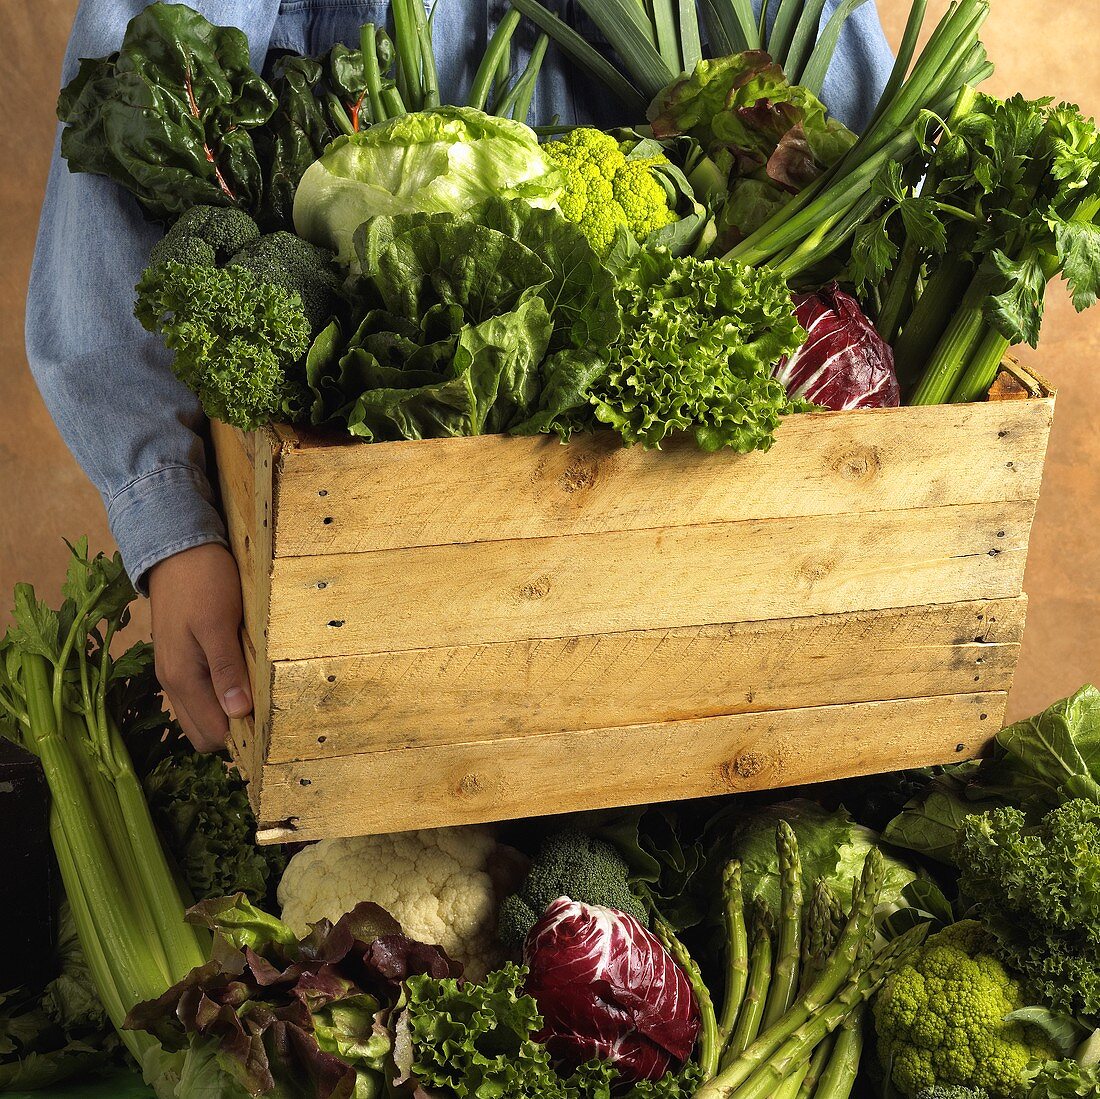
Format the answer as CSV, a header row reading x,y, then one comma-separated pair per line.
x,y
789,1022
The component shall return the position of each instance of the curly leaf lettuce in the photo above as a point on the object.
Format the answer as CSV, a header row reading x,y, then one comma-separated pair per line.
x,y
699,341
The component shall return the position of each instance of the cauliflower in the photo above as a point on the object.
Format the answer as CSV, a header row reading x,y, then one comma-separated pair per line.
x,y
605,189
442,885
940,1019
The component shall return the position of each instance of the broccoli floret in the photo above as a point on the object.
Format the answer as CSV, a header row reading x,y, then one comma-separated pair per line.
x,y
236,339
568,864
182,248
604,190
952,1091
285,260
940,1019
225,228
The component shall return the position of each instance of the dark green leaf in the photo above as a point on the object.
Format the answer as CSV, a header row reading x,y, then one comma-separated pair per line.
x,y
1016,311
1079,253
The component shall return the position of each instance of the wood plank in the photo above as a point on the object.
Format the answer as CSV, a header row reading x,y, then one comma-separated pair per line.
x,y
482,592
235,451
344,705
562,772
353,498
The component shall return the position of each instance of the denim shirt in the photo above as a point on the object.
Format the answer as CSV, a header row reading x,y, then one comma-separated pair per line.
x,y
137,431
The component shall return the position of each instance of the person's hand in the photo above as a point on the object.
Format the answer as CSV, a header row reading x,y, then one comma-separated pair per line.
x,y
195,599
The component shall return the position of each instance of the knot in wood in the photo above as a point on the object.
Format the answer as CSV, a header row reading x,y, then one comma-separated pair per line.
x,y
579,475
539,588
747,765
470,785
860,465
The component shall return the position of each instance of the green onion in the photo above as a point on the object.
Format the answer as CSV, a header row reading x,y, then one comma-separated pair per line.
x,y
495,54
371,74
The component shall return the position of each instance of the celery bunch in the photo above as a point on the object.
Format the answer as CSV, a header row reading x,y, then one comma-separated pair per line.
x,y
63,697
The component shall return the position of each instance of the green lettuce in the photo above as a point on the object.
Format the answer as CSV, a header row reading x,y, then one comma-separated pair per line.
x,y
491,320
699,341
772,137
442,160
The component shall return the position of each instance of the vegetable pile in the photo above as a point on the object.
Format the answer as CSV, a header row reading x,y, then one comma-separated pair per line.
x,y
725,949
345,251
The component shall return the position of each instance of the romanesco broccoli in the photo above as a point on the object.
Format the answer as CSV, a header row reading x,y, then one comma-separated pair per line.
x,y
605,190
940,1019
568,864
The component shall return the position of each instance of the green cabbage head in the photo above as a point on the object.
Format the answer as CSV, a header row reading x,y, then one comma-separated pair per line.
x,y
442,160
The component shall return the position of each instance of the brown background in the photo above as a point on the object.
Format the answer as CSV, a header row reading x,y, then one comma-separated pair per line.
x,y
1039,49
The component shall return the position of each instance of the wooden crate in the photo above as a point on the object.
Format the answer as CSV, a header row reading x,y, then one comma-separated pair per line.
x,y
464,630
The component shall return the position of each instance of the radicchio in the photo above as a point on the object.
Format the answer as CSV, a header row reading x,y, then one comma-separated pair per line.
x,y
844,362
607,988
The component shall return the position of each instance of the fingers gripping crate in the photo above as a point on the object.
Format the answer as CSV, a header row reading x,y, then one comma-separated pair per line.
x,y
462,630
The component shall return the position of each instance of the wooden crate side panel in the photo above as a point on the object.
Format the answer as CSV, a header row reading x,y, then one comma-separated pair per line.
x,y
348,499
483,592
563,772
345,705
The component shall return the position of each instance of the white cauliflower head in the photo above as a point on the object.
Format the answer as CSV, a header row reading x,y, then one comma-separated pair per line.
x,y
437,883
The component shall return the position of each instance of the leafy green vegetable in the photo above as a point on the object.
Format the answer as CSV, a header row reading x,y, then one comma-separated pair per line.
x,y
224,229
171,115
471,1040
235,338
1062,1080
485,321
58,1033
699,340
771,138
125,901
288,1017
832,849
442,160
568,864
1036,888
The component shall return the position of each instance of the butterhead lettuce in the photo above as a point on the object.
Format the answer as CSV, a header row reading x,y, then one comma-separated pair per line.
x,y
437,161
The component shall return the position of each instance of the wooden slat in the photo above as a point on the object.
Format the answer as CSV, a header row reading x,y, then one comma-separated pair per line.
x,y
561,772
344,499
237,481
483,692
346,604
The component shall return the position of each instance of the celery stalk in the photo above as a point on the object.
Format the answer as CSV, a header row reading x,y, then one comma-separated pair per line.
x,y
954,349
982,369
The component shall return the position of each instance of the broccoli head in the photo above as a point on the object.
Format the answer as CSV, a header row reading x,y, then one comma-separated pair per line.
x,y
285,260
569,864
940,1019
952,1091
605,190
182,248
236,339
225,228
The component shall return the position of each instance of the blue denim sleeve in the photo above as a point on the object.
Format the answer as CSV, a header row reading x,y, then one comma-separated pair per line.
x,y
134,429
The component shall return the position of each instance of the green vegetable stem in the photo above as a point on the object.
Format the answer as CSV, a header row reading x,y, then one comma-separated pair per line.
x,y
756,992
789,948
60,697
737,950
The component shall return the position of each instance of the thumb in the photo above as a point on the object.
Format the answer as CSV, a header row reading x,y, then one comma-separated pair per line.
x,y
228,673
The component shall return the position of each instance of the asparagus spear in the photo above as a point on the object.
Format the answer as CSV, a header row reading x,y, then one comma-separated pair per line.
x,y
737,951
766,1072
818,1063
756,991
823,921
852,947
839,1075
784,983
709,1045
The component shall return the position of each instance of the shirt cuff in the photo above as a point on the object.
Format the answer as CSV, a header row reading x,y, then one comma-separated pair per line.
x,y
161,514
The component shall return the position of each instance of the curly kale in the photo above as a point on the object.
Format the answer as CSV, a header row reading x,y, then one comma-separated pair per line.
x,y
236,339
569,864
1037,888
282,259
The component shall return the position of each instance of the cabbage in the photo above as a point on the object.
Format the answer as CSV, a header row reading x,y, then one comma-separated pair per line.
x,y
831,846
442,160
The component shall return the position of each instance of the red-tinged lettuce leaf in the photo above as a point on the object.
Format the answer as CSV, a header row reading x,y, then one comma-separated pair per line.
x,y
288,1016
844,362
